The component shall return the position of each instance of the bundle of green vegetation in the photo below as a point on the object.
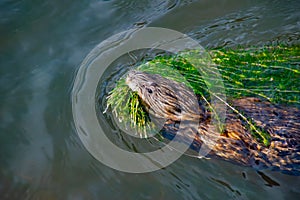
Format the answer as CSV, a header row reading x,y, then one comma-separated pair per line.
x,y
270,72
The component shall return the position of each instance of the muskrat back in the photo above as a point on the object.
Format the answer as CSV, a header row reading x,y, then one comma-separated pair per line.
x,y
168,99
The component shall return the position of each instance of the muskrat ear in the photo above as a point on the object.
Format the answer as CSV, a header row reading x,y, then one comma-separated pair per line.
x,y
153,84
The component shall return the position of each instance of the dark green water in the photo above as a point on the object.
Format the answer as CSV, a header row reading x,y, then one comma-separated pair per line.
x,y
42,45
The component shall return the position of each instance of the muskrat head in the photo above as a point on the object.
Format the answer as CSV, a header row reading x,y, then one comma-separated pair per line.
x,y
164,98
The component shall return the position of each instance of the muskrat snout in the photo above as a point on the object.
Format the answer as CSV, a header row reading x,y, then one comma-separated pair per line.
x,y
130,81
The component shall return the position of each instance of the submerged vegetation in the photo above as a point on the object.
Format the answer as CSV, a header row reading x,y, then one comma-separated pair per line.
x,y
271,73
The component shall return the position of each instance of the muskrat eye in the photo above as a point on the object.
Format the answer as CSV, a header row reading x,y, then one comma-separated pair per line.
x,y
149,90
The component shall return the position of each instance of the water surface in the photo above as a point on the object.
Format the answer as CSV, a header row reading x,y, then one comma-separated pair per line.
x,y
42,45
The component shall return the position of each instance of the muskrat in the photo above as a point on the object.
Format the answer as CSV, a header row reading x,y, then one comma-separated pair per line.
x,y
235,143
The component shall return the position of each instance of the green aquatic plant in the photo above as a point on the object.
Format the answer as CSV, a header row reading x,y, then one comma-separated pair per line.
x,y
270,72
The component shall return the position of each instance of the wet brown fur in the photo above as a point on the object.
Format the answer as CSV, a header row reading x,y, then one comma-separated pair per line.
x,y
168,99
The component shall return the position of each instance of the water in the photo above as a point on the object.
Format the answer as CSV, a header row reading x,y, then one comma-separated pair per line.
x,y
41,47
